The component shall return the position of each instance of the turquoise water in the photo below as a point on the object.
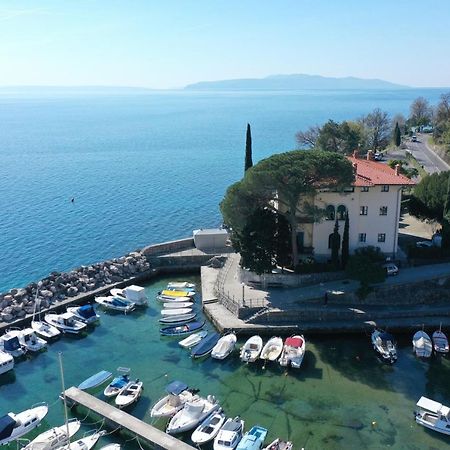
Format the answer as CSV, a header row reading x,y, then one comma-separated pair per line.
x,y
330,403
142,168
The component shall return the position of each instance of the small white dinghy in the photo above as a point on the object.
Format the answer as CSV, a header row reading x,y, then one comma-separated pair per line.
x,y
225,345
175,305
433,415
86,442
175,311
175,299
27,337
115,304
440,342
129,394
178,318
293,352
178,395
193,339
271,351
14,426
66,323
423,347
208,429
54,438
251,349
180,285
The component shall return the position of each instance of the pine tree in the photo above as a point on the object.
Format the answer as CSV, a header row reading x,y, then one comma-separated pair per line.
x,y
248,149
397,135
335,244
345,242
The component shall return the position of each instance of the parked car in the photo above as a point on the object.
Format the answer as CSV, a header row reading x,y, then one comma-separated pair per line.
x,y
424,244
378,156
391,269
414,138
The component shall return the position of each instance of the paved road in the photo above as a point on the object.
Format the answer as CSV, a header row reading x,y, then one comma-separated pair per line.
x,y
425,156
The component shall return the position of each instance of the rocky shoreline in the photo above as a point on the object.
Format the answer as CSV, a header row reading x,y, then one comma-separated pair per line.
x,y
60,286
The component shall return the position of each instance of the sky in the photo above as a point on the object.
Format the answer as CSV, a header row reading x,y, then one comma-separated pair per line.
x,y
167,44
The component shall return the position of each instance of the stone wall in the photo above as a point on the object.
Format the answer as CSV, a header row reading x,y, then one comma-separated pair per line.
x,y
169,247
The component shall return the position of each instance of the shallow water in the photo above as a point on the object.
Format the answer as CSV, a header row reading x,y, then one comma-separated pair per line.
x,y
341,398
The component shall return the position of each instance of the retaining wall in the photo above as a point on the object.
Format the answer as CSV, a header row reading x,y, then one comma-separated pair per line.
x,y
168,247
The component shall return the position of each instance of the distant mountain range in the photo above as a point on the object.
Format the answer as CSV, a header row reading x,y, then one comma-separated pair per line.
x,y
294,82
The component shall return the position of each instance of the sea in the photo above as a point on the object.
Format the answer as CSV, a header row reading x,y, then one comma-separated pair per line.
x,y
141,167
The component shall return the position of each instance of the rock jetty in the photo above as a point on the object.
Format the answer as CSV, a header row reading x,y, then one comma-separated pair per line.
x,y
58,286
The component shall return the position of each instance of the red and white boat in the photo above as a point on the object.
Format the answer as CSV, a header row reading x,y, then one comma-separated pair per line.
x,y
293,352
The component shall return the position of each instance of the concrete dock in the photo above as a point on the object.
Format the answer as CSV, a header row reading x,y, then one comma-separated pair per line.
x,y
116,418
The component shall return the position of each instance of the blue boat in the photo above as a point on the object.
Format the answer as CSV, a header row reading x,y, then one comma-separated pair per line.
x,y
205,346
96,380
180,330
118,383
85,313
253,439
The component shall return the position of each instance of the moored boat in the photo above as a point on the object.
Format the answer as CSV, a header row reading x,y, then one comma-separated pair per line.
x,y
208,429
54,438
95,380
193,339
6,362
115,304
253,439
178,319
66,323
175,299
279,444
193,412
132,293
271,351
168,293
180,285
129,394
251,349
175,305
86,442
433,415
118,383
85,313
293,352
205,346
175,311
111,447
384,345
28,338
180,330
178,394
423,347
14,426
230,434
45,330
440,342
10,344
225,345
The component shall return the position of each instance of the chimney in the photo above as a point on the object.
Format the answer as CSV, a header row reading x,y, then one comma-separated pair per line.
x,y
355,167
355,154
370,155
397,169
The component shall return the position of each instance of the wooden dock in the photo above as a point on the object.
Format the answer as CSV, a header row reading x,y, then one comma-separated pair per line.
x,y
116,418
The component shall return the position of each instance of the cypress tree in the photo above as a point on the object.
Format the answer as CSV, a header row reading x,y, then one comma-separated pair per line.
x,y
446,219
335,244
397,135
345,242
248,149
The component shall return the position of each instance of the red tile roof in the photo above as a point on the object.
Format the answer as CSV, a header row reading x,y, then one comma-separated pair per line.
x,y
372,173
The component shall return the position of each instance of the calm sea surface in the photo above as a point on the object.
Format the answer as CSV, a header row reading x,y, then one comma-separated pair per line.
x,y
142,168
341,398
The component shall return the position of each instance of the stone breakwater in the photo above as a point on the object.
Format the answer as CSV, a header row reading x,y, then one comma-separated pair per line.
x,y
60,286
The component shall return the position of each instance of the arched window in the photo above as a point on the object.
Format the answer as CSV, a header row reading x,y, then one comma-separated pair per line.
x,y
330,212
341,211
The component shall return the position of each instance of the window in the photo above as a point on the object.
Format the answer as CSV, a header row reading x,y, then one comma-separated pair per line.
x,y
365,189
330,212
362,237
385,188
363,210
349,189
341,212
383,210
381,237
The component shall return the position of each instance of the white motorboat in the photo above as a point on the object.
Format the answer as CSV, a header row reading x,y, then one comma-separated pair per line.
x,y
85,314
180,285
111,447
433,415
10,344
225,345
271,351
174,299
423,347
178,395
193,339
116,304
132,293
193,412
6,362
383,343
293,352
129,394
175,305
85,443
13,426
45,330
27,337
279,444
118,383
179,318
251,349
55,437
230,434
440,342
175,311
209,428
66,323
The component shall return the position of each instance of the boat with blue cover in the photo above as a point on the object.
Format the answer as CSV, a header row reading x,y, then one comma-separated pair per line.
x,y
181,330
253,439
178,394
85,313
118,383
205,346
95,380
116,304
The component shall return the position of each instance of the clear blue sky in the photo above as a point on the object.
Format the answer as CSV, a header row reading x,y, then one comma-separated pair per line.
x,y
167,43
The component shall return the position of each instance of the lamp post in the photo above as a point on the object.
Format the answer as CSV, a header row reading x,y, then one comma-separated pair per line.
x,y
243,294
